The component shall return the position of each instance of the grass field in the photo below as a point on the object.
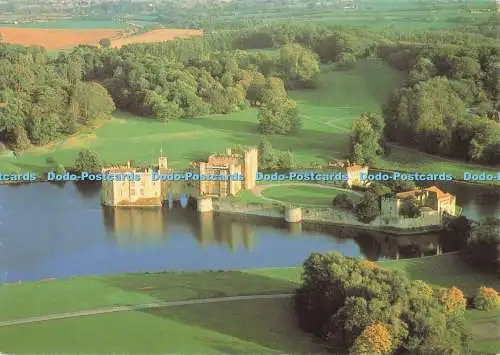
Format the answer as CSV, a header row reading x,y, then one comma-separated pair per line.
x,y
250,326
303,195
394,15
327,118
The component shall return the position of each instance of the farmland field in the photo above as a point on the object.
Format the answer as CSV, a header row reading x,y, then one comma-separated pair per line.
x,y
160,35
60,35
53,39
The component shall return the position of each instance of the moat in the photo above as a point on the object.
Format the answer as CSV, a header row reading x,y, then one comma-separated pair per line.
x,y
61,230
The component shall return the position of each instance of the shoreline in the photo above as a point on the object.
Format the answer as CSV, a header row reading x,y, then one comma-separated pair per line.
x,y
214,271
308,224
486,184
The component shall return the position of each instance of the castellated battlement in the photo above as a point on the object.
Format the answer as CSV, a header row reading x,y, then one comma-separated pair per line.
x,y
229,163
130,193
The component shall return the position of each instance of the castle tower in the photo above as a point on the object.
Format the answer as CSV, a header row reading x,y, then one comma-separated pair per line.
x,y
162,161
203,185
250,167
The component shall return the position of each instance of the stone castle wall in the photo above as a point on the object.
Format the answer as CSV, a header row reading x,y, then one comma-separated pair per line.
x,y
241,208
339,216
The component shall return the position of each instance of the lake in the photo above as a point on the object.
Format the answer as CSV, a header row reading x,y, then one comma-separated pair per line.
x,y
58,231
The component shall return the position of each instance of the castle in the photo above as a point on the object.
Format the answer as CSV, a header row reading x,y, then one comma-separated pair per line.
x,y
142,191
432,202
230,163
146,192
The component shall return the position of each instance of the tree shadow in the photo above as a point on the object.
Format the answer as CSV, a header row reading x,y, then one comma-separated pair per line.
x,y
169,286
226,125
266,322
269,323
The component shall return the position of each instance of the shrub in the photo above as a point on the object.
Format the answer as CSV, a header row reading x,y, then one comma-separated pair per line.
x,y
486,299
60,169
375,339
422,290
452,299
88,160
367,264
343,201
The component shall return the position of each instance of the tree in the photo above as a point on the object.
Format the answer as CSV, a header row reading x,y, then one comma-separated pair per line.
x,y
279,117
270,159
365,139
93,101
368,208
375,339
410,208
87,161
343,201
486,299
267,155
105,43
297,64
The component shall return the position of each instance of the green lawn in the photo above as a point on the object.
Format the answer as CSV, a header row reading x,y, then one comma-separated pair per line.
x,y
251,326
327,118
245,327
303,195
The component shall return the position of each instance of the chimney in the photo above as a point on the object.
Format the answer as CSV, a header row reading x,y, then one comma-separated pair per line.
x,y
228,151
128,164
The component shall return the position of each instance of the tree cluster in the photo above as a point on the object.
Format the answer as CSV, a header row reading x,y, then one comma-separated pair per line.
x,y
364,309
450,103
44,98
272,159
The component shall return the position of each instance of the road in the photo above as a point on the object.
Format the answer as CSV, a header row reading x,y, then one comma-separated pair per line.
x,y
139,307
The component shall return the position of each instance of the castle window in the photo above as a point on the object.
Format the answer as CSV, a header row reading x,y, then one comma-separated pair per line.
x,y
142,192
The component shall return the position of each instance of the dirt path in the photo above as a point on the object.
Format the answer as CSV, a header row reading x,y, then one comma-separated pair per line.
x,y
139,307
258,190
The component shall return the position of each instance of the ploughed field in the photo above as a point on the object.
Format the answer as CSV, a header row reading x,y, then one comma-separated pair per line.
x,y
160,35
63,38
53,39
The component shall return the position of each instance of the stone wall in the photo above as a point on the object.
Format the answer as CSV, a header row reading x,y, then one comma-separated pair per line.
x,y
327,215
344,217
251,209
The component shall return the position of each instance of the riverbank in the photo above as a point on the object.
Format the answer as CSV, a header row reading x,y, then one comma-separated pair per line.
x,y
190,327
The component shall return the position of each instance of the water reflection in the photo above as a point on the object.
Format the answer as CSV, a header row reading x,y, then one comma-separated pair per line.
x,y
129,226
69,233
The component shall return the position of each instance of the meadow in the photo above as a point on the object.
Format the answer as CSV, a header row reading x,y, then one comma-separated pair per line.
x,y
391,15
268,327
327,114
